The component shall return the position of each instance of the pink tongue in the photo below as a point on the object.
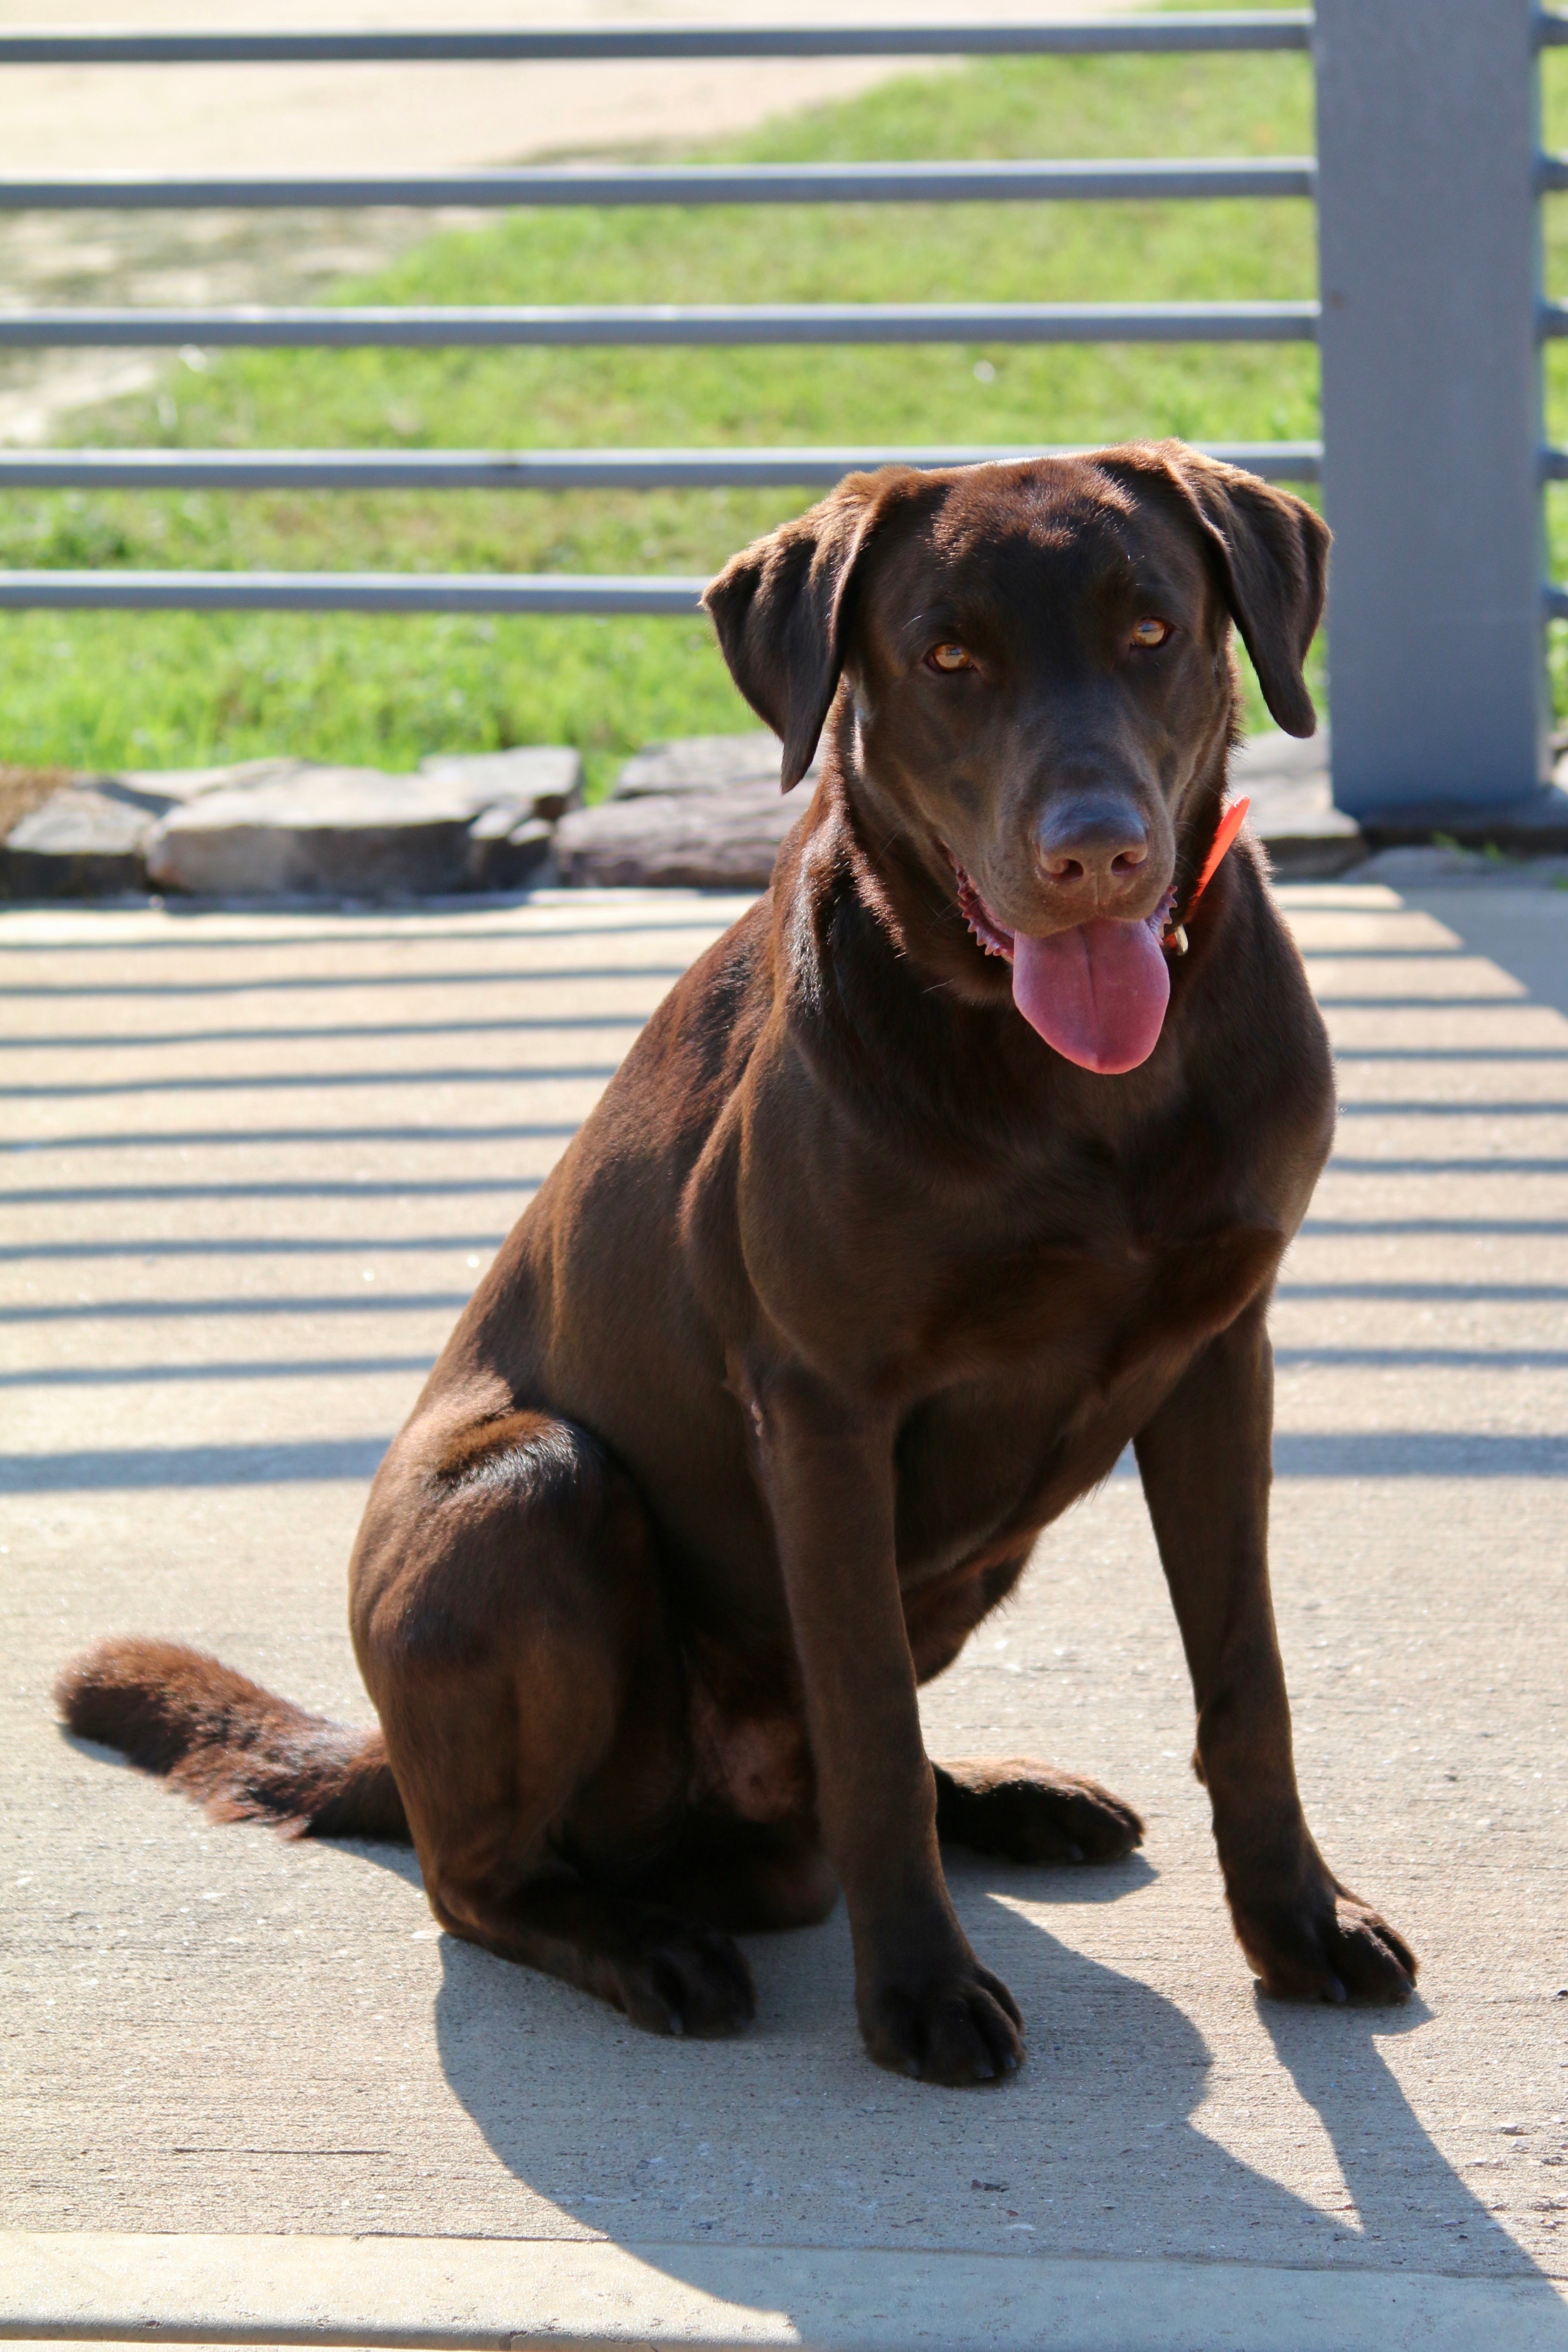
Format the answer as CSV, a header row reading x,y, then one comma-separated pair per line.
x,y
1097,994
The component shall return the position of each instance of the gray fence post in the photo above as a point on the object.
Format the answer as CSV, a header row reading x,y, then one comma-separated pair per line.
x,y
1428,242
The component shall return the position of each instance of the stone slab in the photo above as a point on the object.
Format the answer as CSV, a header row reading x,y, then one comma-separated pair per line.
x,y
164,788
88,839
707,812
323,831
458,824
85,841
514,2295
535,779
700,764
260,828
506,851
707,838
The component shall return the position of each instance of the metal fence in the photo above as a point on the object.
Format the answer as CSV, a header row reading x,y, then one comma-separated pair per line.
x,y
1429,181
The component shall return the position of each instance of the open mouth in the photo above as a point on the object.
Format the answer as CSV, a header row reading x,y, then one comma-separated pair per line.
x,y
1097,994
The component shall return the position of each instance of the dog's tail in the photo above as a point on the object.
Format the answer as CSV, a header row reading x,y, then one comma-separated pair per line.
x,y
230,1744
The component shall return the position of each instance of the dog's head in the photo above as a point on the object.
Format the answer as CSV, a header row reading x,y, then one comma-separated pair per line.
x,y
1039,662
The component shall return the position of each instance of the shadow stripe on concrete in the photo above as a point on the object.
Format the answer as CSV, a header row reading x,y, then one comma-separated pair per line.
x,y
354,1302
361,1245
1329,1453
183,1139
348,1302
113,1041
306,1368
51,991
499,1073
148,1250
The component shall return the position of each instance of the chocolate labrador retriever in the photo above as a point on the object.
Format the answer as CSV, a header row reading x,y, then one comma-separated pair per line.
x,y
966,1157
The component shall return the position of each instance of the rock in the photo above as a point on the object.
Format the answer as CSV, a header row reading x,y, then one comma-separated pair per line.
x,y
521,794
536,780
704,839
317,832
706,812
85,841
505,849
703,812
88,839
163,787
258,828
700,764
1293,813
325,832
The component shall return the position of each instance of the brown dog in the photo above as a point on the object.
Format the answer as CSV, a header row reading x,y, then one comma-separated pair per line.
x,y
940,1177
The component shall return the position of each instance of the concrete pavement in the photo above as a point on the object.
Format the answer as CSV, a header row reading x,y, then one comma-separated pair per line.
x,y
253,1164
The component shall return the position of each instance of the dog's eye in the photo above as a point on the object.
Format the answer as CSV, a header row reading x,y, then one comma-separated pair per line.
x,y
1150,632
948,659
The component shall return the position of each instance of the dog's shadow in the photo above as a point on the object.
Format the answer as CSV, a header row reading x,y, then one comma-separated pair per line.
x,y
785,2135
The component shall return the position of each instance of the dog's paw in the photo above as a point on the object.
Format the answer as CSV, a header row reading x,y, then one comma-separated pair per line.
x,y
959,2026
1031,1813
674,1977
1326,1945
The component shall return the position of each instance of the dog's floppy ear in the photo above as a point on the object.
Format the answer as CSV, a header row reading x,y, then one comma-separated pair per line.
x,y
783,608
1272,554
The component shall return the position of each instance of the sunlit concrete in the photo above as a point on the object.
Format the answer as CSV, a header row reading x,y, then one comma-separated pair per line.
x,y
253,1164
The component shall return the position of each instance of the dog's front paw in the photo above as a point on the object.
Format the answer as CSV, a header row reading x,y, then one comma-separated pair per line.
x,y
1324,1943
958,2024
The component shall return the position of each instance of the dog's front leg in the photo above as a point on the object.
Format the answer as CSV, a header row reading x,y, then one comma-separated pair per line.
x,y
1206,1464
926,2004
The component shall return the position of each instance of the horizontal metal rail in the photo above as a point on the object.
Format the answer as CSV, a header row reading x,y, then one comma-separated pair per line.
x,y
1552,174
672,183
345,591
1556,599
1552,31
1090,36
558,592
548,469
652,322
719,324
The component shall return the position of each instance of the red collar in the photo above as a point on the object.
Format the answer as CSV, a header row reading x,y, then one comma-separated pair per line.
x,y
1175,935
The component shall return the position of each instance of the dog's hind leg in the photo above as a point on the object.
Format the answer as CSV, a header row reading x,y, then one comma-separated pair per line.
x,y
1031,1813
512,1626
1013,1805
750,1877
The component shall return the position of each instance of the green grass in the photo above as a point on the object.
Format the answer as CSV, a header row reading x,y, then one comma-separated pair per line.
x,y
155,689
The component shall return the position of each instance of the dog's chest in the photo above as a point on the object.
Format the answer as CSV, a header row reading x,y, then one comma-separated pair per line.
x,y
1069,1297
1042,1367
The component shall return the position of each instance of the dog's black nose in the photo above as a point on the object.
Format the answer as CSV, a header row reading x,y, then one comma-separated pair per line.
x,y
1093,843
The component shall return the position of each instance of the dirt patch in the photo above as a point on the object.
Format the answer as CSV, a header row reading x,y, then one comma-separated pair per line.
x,y
22,789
